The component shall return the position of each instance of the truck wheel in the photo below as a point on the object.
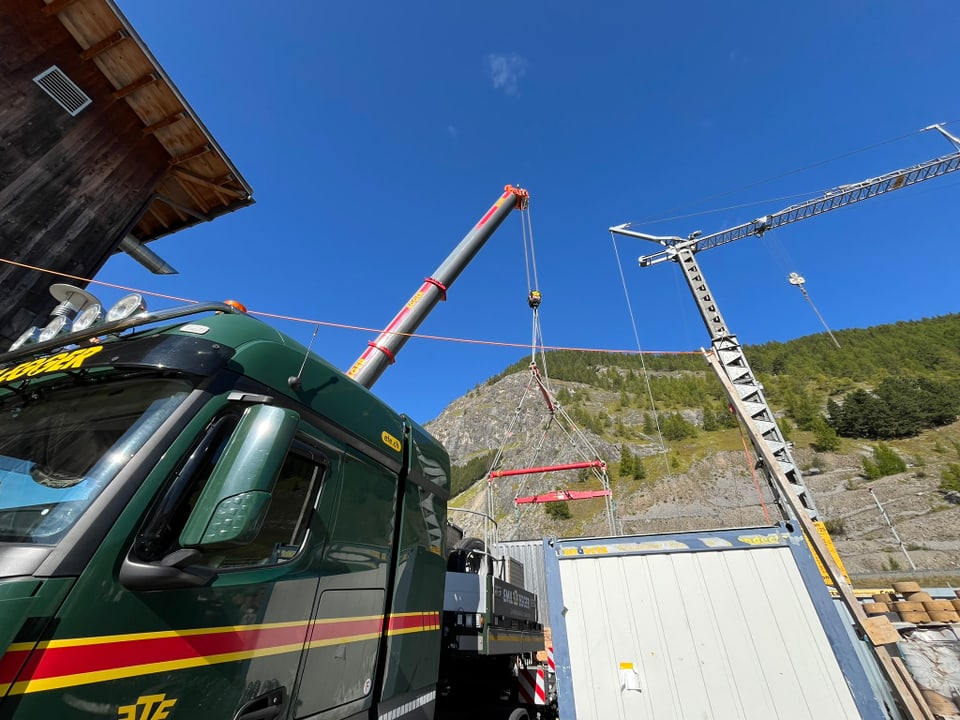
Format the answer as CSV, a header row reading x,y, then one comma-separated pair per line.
x,y
519,714
467,556
470,544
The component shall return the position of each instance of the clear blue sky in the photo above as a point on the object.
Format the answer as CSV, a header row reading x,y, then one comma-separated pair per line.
x,y
376,134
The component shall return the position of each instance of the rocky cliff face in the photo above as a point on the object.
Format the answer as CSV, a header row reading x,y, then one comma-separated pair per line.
x,y
512,415
699,483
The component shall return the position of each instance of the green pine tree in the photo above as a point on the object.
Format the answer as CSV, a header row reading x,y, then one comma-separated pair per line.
x,y
825,438
559,510
627,462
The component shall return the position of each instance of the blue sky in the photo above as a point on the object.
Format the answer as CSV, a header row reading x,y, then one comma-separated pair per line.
x,y
376,134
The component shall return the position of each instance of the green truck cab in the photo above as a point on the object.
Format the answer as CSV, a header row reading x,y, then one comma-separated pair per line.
x,y
200,518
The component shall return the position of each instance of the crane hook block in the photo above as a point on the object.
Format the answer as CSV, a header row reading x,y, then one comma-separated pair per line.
x,y
533,300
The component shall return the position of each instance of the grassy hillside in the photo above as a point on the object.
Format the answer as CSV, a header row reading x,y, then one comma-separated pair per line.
x,y
701,475
803,372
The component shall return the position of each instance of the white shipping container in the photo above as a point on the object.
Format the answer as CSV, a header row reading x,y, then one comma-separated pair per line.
x,y
722,625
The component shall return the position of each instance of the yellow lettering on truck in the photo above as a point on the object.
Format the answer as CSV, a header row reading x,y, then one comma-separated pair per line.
x,y
51,363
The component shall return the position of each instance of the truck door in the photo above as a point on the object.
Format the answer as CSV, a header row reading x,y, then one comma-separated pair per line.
x,y
133,643
340,663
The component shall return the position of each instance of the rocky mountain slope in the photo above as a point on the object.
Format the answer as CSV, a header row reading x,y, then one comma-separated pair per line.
x,y
701,481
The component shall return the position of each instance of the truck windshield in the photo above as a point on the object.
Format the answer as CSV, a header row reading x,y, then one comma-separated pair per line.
x,y
62,442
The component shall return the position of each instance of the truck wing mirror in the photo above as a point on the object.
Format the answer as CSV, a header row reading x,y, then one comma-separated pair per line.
x,y
176,570
235,499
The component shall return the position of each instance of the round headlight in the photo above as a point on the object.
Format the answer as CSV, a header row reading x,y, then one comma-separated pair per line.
x,y
127,306
27,336
91,315
53,328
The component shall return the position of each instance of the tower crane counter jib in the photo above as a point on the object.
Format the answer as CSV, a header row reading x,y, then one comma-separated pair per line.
x,y
381,353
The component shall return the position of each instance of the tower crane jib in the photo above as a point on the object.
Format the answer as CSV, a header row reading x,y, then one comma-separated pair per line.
x,y
724,343
833,199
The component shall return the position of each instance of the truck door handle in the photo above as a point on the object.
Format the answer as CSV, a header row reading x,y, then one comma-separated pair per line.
x,y
265,707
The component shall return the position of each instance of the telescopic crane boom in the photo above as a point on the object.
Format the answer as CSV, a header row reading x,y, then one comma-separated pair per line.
x,y
382,352
724,342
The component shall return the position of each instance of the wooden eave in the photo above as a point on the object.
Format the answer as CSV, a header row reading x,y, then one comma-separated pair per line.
x,y
200,182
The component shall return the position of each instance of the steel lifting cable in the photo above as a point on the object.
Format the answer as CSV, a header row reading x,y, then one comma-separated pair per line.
x,y
576,435
542,378
529,260
499,455
533,300
556,412
643,362
599,474
533,292
543,383
529,253
513,423
537,343
533,463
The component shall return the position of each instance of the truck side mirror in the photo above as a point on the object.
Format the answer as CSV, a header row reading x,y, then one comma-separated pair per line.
x,y
235,499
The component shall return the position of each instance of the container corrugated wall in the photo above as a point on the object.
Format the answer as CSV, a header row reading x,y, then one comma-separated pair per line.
x,y
715,625
530,553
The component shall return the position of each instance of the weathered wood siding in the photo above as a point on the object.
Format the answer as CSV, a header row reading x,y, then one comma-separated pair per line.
x,y
70,187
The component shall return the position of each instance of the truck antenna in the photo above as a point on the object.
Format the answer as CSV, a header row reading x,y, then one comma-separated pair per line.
x,y
294,381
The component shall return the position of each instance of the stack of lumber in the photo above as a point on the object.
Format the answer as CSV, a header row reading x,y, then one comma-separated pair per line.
x,y
908,603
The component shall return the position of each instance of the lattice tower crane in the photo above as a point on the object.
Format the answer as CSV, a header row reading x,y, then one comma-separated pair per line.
x,y
724,343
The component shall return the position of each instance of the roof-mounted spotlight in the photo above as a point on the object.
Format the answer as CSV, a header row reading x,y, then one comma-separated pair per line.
x,y
72,301
127,306
30,335
88,317
57,326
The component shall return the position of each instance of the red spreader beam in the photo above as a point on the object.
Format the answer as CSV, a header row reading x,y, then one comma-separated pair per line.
x,y
559,495
548,468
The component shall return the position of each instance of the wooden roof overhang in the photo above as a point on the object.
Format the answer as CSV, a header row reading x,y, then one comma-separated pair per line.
x,y
200,182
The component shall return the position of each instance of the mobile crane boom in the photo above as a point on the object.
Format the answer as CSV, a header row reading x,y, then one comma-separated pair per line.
x,y
725,344
381,353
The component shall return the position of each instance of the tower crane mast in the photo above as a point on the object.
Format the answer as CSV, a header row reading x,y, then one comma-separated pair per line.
x,y
725,344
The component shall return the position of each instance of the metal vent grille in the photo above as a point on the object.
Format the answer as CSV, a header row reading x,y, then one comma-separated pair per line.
x,y
62,89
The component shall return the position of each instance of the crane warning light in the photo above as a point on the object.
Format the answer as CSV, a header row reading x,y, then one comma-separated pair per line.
x,y
236,305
